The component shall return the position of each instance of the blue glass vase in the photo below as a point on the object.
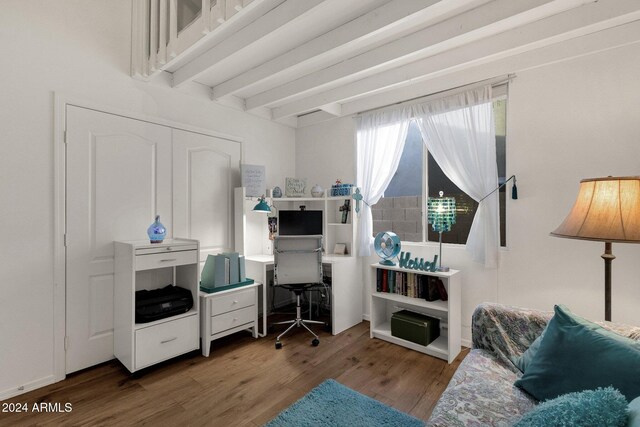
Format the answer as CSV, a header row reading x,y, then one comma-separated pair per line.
x,y
156,231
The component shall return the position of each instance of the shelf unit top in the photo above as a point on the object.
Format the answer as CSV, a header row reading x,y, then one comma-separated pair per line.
x,y
297,199
145,244
309,199
445,274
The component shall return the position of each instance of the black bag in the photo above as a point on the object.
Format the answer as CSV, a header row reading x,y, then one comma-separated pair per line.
x,y
161,303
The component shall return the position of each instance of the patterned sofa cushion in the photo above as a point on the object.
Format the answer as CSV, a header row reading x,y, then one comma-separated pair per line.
x,y
481,393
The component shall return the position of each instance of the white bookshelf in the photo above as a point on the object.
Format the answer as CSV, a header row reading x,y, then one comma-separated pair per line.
x,y
383,304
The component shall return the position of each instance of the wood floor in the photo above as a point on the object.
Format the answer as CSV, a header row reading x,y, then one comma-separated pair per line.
x,y
244,382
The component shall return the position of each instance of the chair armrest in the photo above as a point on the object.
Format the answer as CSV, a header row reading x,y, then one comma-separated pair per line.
x,y
506,332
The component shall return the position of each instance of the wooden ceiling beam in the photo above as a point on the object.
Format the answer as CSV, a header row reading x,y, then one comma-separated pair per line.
x,y
395,17
611,38
554,29
484,21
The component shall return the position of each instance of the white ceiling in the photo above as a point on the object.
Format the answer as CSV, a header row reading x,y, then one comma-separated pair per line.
x,y
305,61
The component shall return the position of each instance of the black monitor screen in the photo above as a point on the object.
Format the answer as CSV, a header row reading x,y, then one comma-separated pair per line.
x,y
300,223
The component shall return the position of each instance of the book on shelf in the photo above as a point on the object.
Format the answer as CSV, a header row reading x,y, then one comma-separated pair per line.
x,y
412,285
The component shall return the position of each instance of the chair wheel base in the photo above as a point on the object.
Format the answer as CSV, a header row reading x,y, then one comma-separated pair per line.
x,y
278,345
315,342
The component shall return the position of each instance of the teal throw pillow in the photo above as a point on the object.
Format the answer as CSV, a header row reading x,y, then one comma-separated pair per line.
x,y
523,361
634,413
601,407
577,355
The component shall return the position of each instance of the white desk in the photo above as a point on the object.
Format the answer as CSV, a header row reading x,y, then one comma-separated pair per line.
x,y
346,288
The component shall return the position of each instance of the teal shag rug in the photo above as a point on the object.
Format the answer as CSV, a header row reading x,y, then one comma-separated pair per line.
x,y
332,404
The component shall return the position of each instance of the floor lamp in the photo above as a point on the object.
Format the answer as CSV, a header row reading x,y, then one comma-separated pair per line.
x,y
608,210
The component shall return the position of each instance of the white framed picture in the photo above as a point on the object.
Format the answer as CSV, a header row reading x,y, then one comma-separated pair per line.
x,y
253,179
340,249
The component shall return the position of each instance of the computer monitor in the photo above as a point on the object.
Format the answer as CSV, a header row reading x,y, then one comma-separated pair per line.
x,y
299,223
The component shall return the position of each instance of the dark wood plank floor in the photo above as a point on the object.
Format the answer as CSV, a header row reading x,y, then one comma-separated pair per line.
x,y
244,382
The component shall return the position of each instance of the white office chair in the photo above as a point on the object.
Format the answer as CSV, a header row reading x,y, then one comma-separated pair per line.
x,y
297,267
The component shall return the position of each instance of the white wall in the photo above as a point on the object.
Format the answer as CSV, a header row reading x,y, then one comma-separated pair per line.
x,y
81,49
566,121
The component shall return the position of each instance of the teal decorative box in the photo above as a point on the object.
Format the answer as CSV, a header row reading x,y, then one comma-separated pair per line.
x,y
341,190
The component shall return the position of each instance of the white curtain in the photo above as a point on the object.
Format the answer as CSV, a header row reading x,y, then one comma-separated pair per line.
x,y
459,133
380,141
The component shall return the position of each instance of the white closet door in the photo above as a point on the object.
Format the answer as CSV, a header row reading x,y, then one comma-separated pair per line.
x,y
118,178
206,169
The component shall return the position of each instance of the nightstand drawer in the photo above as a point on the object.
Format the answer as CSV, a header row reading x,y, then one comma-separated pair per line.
x,y
160,342
164,248
166,259
232,319
233,301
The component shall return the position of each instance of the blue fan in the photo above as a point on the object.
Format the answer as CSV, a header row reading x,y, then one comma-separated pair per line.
x,y
387,246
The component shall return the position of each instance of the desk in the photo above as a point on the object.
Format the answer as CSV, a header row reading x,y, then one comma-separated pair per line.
x,y
346,288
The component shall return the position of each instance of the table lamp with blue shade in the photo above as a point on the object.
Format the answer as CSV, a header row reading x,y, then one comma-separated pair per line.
x,y
441,214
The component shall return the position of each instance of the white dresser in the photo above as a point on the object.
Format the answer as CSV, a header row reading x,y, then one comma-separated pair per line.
x,y
141,265
227,312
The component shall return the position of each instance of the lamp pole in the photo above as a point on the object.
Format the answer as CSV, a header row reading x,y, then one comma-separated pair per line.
x,y
607,256
440,260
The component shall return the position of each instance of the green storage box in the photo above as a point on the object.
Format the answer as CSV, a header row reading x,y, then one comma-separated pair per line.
x,y
414,327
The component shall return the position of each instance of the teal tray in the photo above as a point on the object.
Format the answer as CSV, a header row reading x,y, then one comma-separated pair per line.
x,y
226,287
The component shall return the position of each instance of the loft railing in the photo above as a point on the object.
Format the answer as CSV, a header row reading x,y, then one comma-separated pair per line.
x,y
163,29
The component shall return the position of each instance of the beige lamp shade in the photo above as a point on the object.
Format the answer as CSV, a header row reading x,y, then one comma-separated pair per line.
x,y
606,209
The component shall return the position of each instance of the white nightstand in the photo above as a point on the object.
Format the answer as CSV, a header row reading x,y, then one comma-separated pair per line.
x,y
142,265
226,312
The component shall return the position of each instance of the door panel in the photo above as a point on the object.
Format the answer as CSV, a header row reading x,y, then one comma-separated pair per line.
x,y
118,178
206,170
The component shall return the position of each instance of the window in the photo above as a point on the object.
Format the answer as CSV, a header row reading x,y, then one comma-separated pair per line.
x,y
402,208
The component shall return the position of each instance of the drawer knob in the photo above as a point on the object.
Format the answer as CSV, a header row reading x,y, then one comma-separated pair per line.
x,y
235,301
168,340
235,319
168,248
168,260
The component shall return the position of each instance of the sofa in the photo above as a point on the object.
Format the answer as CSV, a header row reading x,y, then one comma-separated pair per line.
x,y
481,392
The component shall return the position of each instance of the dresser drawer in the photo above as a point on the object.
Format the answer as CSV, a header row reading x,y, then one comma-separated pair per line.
x,y
166,340
232,319
233,301
166,259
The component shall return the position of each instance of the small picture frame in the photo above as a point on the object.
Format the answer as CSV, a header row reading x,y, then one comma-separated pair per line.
x,y
294,187
340,249
272,221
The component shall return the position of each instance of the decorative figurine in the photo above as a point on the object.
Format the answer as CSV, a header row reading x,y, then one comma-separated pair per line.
x,y
156,231
276,193
345,210
358,198
317,191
